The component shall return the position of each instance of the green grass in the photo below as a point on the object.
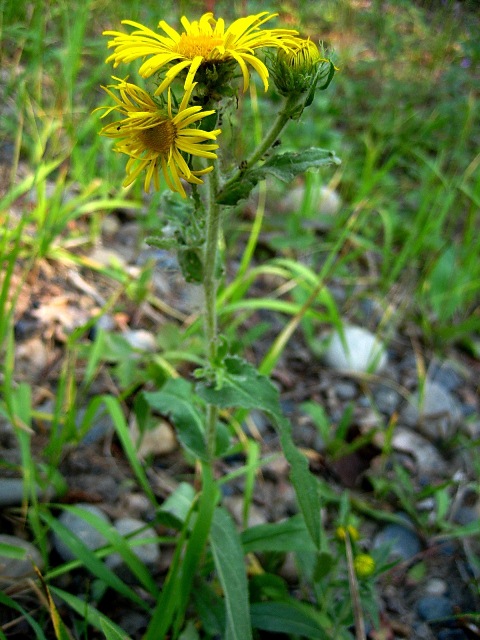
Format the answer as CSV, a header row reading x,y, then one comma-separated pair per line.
x,y
403,115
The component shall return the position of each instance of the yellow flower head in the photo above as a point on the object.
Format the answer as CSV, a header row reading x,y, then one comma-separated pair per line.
x,y
364,565
157,138
350,530
203,42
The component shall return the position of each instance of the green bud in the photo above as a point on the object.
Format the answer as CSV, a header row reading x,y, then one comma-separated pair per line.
x,y
295,68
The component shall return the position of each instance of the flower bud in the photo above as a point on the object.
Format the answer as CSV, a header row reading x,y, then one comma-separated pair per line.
x,y
350,530
295,68
364,565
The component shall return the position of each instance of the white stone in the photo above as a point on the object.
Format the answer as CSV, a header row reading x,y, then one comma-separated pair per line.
x,y
140,339
158,441
357,351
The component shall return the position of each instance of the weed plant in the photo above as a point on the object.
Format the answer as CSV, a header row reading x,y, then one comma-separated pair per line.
x,y
403,116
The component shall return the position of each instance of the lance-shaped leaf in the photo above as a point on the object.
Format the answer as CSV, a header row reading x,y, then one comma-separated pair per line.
x,y
240,385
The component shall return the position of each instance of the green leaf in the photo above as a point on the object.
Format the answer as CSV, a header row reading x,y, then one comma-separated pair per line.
x,y
229,562
285,167
11,551
289,535
239,384
90,614
191,264
174,400
289,618
239,189
177,506
91,561
6,601
111,632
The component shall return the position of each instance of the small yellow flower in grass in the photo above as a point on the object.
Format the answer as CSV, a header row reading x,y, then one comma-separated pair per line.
x,y
203,43
364,565
352,531
156,137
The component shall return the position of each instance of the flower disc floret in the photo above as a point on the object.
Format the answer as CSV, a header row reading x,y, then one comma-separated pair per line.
x,y
155,138
203,42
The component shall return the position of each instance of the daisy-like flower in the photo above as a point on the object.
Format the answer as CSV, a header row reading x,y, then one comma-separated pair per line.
x,y
203,42
157,138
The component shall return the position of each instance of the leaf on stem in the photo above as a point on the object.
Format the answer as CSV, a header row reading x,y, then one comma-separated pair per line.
x,y
239,384
284,167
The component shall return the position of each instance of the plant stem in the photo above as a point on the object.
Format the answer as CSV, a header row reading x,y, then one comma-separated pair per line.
x,y
279,123
210,295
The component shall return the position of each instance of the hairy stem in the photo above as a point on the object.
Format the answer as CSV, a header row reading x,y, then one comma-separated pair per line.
x,y
272,135
210,283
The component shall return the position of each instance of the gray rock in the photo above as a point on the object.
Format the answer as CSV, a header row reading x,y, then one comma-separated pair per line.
x,y
101,425
427,457
435,409
432,608
446,375
148,553
403,542
13,569
358,351
386,399
346,390
90,537
11,492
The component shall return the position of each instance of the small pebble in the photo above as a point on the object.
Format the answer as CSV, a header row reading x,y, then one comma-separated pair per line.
x,y
13,569
346,390
140,339
435,409
362,353
90,537
386,399
148,553
451,634
234,504
160,440
403,542
433,608
445,375
436,587
427,457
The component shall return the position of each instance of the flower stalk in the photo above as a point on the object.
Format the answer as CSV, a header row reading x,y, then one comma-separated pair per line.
x,y
286,114
210,286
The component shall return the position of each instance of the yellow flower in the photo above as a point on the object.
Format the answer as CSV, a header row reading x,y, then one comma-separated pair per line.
x,y
202,43
364,565
157,138
352,532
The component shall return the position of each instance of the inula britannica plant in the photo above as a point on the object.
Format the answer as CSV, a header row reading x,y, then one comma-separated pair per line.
x,y
170,129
